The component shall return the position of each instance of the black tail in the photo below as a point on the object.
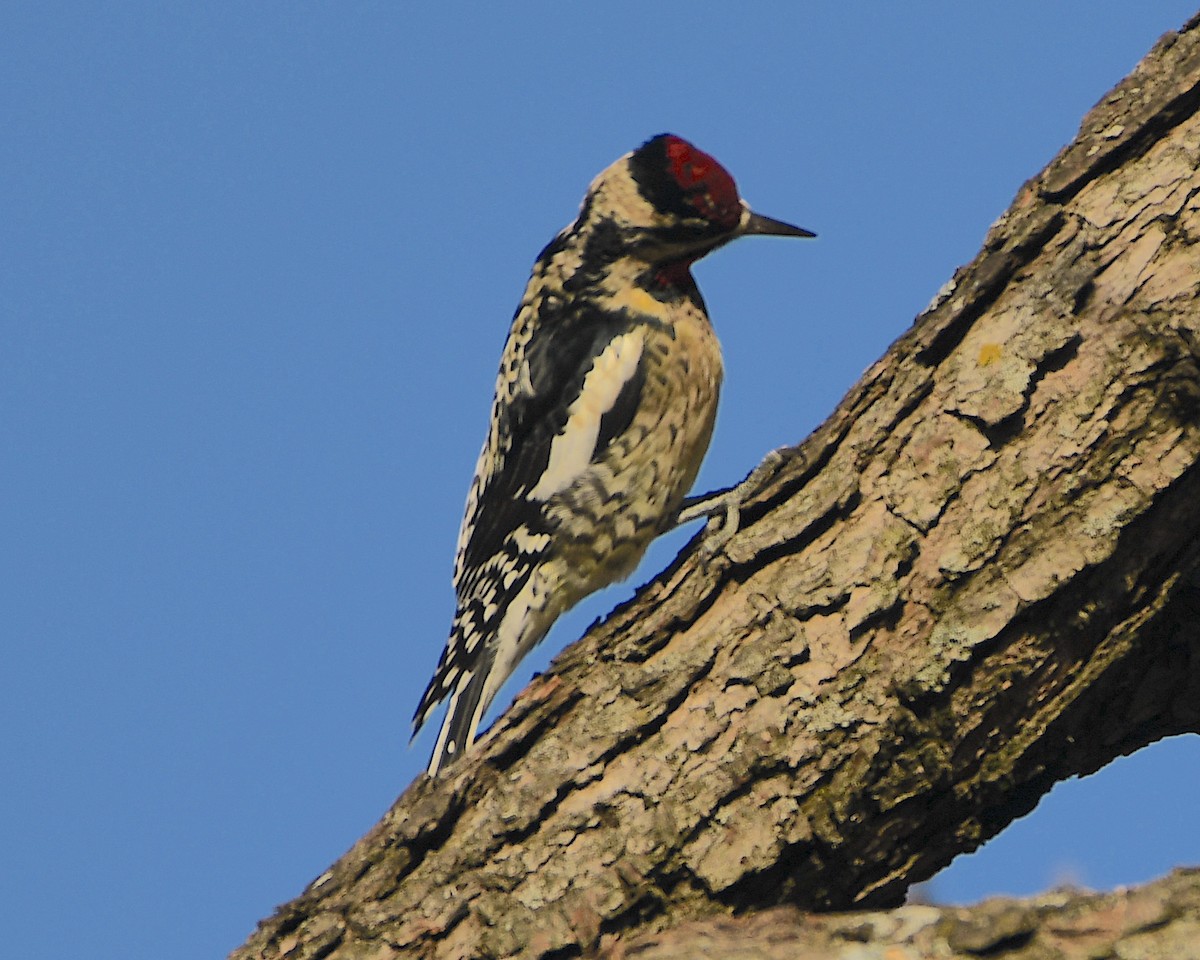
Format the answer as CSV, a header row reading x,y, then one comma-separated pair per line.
x,y
462,720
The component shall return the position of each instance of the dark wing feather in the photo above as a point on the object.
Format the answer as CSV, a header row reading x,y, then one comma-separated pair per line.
x,y
559,360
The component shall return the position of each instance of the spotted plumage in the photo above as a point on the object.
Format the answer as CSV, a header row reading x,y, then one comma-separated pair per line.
x,y
604,408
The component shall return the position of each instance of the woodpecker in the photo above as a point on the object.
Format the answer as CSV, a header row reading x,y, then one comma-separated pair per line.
x,y
604,408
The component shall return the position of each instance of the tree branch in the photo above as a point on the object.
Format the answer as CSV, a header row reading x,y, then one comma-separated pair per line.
x,y
980,576
1161,919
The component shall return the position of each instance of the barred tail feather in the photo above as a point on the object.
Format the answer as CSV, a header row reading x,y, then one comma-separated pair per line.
x,y
463,713
524,623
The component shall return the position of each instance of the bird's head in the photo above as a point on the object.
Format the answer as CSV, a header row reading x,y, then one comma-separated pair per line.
x,y
670,202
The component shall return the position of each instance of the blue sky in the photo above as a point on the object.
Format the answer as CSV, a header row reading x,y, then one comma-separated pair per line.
x,y
259,262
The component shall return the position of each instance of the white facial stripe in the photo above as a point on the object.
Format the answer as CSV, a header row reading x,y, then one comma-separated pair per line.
x,y
571,451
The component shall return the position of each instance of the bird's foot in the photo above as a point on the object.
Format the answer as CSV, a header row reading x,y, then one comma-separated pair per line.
x,y
723,507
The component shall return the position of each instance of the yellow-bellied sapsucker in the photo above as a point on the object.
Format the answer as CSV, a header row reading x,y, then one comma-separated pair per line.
x,y
604,407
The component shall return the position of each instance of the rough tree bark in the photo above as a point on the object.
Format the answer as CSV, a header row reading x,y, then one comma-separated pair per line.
x,y
980,576
1159,921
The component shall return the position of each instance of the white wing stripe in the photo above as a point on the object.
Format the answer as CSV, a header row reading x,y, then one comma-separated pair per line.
x,y
571,451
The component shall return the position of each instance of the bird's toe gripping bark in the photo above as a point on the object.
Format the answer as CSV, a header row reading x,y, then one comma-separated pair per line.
x,y
723,507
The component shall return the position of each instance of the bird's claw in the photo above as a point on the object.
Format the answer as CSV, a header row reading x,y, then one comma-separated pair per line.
x,y
723,507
